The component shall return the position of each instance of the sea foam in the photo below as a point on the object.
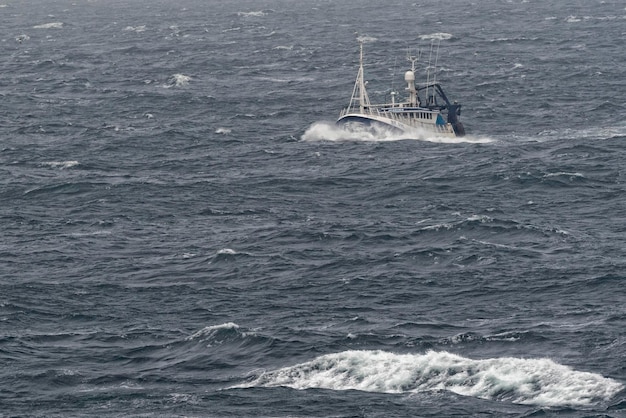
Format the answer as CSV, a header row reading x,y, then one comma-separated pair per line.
x,y
524,381
328,131
178,80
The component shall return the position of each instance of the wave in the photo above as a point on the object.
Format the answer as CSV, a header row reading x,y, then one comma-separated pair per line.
x,y
438,36
137,29
64,188
228,255
576,19
514,39
210,332
524,381
227,251
367,39
178,80
258,13
573,19
52,25
589,133
328,131
564,174
60,164
225,346
476,226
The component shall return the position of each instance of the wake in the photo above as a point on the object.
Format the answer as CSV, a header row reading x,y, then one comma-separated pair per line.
x,y
523,381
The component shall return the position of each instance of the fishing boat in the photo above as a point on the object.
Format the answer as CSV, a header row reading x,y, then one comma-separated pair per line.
x,y
426,107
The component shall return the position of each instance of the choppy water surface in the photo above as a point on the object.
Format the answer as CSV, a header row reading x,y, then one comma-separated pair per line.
x,y
186,233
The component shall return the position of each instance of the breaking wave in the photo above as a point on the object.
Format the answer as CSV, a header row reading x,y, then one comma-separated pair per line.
x,y
214,330
523,381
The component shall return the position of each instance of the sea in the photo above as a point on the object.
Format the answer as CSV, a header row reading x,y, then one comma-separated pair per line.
x,y
185,232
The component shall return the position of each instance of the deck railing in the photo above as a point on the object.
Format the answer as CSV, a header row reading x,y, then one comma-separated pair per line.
x,y
373,111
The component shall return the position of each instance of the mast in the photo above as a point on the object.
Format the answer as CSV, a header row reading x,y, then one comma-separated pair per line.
x,y
359,94
436,60
434,68
430,55
361,78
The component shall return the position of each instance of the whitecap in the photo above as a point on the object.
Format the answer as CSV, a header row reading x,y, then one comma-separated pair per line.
x,y
137,29
438,227
211,330
60,164
252,14
366,39
53,25
274,79
178,80
438,36
565,174
90,234
479,218
227,251
523,381
223,131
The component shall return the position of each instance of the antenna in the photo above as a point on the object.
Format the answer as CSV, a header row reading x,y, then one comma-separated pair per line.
x,y
412,58
362,84
393,77
430,55
436,60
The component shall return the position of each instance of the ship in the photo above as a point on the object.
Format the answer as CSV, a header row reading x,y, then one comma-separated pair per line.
x,y
426,107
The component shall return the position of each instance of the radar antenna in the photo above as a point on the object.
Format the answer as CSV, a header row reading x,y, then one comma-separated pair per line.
x,y
409,77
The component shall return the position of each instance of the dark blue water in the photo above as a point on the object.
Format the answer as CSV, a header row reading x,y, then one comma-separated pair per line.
x,y
185,233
